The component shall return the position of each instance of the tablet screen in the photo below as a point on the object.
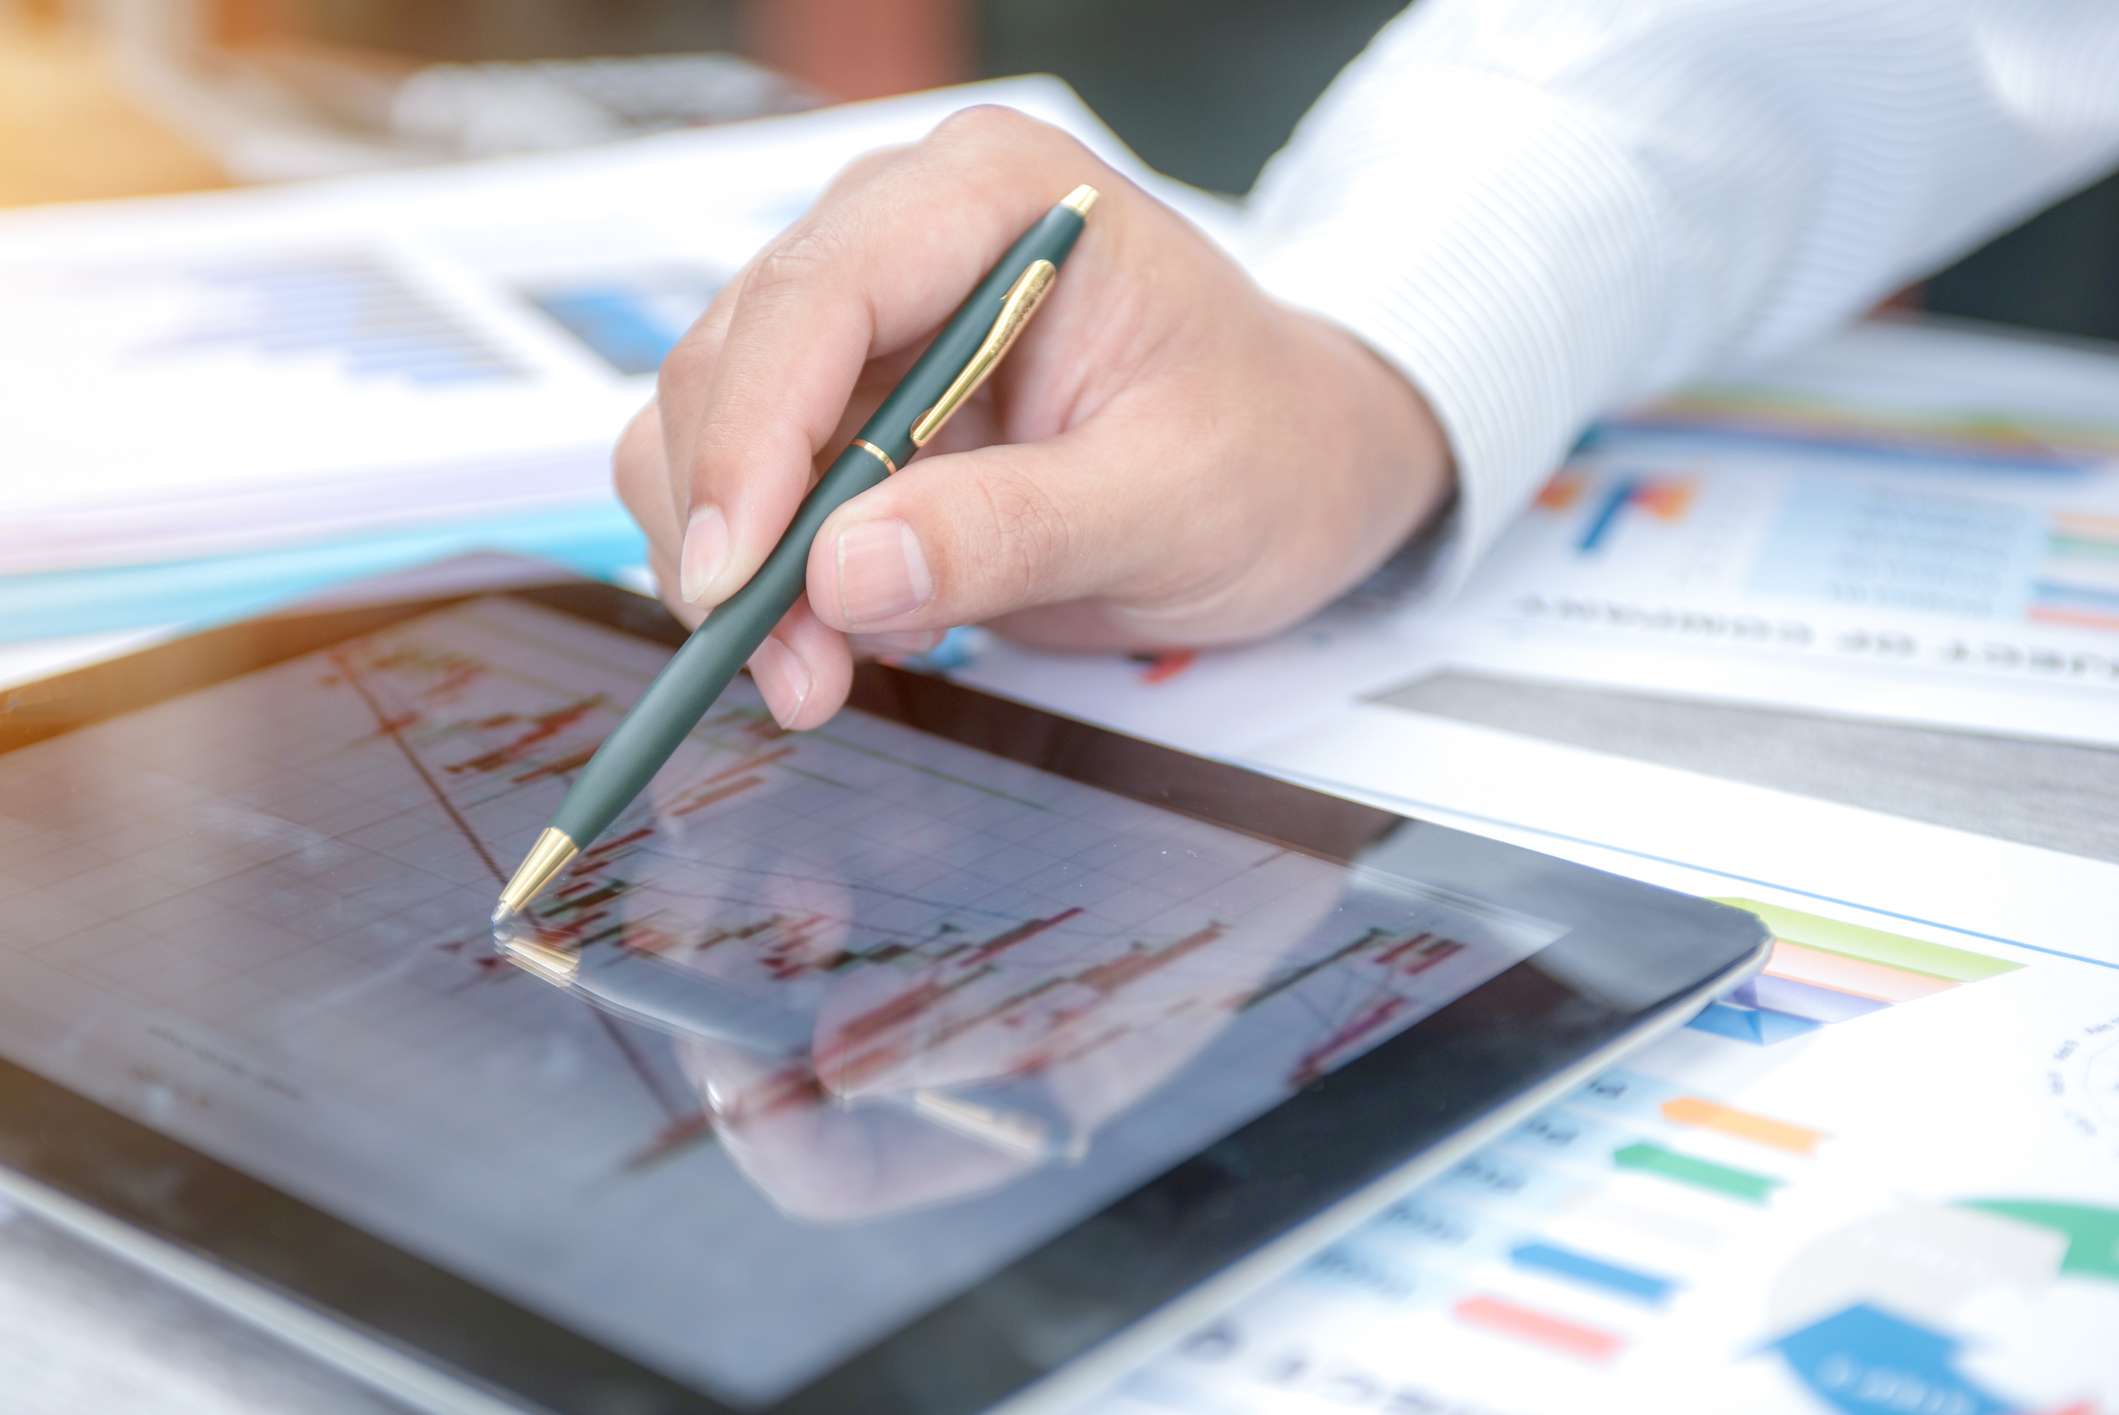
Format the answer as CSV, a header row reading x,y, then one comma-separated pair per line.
x,y
860,1016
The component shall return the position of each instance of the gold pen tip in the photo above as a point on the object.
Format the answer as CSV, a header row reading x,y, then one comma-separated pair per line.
x,y
1080,200
546,858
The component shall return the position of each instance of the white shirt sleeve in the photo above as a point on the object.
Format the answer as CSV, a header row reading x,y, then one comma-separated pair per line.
x,y
1538,211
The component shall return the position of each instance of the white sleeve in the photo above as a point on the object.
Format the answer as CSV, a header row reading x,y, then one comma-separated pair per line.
x,y
1539,210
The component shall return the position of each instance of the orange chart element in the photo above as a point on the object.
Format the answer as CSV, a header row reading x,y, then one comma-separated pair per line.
x,y
1666,498
1562,492
1696,1113
1611,495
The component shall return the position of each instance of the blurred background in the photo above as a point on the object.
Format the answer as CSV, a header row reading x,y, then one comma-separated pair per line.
x,y
125,97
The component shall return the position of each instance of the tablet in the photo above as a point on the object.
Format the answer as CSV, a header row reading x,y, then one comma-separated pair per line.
x,y
920,1062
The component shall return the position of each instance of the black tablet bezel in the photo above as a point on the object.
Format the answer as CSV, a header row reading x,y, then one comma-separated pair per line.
x,y
1347,1130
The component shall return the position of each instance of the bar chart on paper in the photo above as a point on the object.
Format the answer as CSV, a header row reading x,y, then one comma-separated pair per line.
x,y
1531,1278
1550,1255
324,316
1606,502
286,396
2078,584
1734,535
630,319
1823,971
1652,1237
298,414
1885,1302
1902,523
1954,590
1997,438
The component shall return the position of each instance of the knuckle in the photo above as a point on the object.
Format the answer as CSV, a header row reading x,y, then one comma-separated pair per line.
x,y
993,136
983,125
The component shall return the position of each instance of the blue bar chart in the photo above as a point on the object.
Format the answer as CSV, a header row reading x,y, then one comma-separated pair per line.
x,y
349,309
631,319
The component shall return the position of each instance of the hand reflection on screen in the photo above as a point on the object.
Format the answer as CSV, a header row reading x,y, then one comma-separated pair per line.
x,y
851,1075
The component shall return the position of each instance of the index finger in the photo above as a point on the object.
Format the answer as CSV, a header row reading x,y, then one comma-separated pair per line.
x,y
877,265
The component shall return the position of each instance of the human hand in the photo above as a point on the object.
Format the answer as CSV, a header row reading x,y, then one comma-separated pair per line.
x,y
1168,457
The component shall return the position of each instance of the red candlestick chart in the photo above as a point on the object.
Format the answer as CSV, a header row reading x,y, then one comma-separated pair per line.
x,y
1003,922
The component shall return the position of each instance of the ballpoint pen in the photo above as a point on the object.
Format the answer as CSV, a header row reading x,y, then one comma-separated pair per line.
x,y
959,360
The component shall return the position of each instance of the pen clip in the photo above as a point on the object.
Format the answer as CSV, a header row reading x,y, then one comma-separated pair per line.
x,y
1021,302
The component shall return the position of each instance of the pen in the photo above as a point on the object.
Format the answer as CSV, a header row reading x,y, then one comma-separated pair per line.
x,y
961,357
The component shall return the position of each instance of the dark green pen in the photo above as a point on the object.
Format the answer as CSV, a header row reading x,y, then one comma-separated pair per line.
x,y
955,364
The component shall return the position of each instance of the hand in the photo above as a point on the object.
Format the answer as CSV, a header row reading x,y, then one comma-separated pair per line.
x,y
1168,457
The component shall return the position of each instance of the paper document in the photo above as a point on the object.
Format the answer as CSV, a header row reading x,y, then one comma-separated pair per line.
x,y
1913,522
316,381
1882,1177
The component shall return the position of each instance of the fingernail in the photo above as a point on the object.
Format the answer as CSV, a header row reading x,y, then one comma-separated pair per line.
x,y
782,678
705,547
896,642
882,572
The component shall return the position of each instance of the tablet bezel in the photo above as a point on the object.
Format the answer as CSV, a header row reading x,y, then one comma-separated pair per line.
x,y
1047,1307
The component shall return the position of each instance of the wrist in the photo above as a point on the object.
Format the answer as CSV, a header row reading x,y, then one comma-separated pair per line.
x,y
1398,444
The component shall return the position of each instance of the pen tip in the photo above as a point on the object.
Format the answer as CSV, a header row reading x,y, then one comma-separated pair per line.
x,y
1080,200
546,858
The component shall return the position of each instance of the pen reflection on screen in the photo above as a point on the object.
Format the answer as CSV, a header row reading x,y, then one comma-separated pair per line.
x,y
904,1088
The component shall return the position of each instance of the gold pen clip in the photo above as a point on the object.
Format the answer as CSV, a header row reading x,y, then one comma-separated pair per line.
x,y
1021,302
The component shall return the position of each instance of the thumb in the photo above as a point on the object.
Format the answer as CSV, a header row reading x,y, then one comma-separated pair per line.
x,y
969,536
